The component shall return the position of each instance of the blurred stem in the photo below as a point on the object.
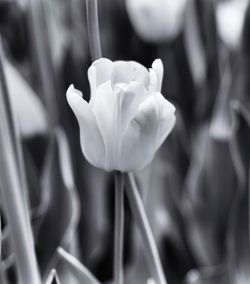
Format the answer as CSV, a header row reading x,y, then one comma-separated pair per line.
x,y
141,219
52,278
40,39
79,271
11,185
3,279
93,29
0,237
11,120
119,227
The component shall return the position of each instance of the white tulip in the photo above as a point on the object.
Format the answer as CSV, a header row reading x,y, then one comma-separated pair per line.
x,y
230,17
156,20
127,118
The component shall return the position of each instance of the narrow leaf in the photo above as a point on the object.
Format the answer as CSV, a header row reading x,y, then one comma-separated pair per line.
x,y
77,268
52,278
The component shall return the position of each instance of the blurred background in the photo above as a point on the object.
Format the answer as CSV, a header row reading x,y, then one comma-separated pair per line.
x,y
196,191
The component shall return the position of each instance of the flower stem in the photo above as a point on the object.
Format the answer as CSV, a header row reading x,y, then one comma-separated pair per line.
x,y
12,124
140,216
14,203
79,271
41,49
93,29
119,227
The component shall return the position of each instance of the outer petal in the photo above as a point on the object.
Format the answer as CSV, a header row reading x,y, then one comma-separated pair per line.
x,y
114,109
103,69
138,145
146,132
167,118
129,98
92,79
153,81
159,70
104,108
91,140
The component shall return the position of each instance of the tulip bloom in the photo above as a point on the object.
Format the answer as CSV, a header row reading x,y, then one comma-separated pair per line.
x,y
156,20
230,17
127,118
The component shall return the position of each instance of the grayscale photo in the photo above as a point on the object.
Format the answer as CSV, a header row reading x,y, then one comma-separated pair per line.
x,y
124,141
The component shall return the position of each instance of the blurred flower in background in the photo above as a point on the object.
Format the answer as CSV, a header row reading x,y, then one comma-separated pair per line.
x,y
156,21
230,19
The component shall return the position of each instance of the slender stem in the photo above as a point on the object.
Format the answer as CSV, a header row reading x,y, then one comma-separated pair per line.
x,y
40,38
3,279
140,216
1,236
13,200
5,98
93,29
52,278
79,271
119,227
11,120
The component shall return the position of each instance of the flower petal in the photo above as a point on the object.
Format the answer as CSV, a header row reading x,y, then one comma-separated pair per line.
x,y
153,81
139,73
167,118
104,108
146,132
103,68
130,97
120,72
140,137
159,70
91,139
92,79
128,71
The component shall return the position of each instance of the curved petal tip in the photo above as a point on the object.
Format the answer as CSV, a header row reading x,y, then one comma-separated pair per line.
x,y
71,89
158,67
